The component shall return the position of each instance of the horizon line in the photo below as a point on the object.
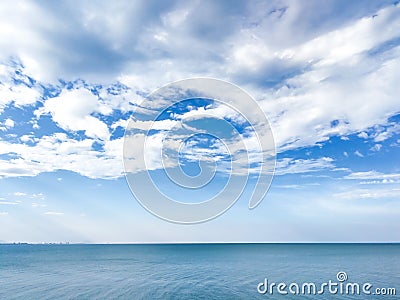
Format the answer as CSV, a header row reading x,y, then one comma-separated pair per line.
x,y
200,243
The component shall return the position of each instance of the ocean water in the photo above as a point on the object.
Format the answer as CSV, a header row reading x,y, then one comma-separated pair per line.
x,y
191,271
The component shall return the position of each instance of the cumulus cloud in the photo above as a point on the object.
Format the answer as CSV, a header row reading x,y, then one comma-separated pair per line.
x,y
72,111
8,123
58,152
15,89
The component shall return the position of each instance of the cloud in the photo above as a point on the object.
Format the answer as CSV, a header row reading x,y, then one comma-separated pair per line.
x,y
315,75
168,40
72,111
15,89
373,177
295,166
304,115
59,152
338,86
8,202
363,135
358,153
7,124
54,213
383,133
376,147
120,123
369,194
19,194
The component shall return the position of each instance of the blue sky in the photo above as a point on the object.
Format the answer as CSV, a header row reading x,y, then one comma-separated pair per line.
x,y
325,74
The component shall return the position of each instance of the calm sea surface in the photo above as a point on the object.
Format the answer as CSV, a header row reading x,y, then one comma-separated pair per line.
x,y
193,271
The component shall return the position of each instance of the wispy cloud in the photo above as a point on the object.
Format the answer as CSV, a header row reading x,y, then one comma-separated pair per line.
x,y
358,153
8,202
19,194
53,213
373,177
295,166
369,194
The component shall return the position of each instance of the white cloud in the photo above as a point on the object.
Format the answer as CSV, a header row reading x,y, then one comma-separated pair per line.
x,y
358,153
154,125
382,134
305,76
369,194
294,166
341,82
302,116
149,159
72,111
9,123
19,194
18,95
28,138
344,43
53,213
58,152
120,123
376,147
38,196
8,202
372,175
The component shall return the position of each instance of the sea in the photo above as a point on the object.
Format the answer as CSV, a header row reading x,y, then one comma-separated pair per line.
x,y
200,271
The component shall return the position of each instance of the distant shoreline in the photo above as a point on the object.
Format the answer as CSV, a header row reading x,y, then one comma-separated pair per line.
x,y
207,243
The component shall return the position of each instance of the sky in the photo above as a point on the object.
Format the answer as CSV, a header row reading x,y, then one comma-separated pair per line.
x,y
325,74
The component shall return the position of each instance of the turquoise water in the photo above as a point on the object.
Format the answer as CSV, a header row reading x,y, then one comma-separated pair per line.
x,y
209,271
